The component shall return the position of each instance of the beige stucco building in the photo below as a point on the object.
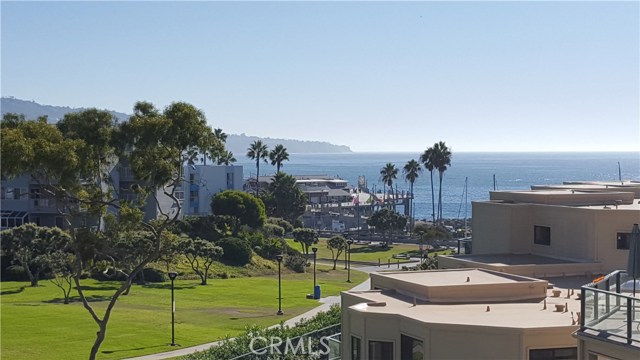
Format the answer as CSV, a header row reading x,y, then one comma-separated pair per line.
x,y
459,314
570,229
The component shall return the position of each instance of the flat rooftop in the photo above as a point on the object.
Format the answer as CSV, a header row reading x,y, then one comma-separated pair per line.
x,y
456,277
460,285
520,315
512,259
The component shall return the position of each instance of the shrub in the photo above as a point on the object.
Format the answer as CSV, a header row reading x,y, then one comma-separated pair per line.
x,y
270,248
288,228
236,251
154,275
295,262
273,230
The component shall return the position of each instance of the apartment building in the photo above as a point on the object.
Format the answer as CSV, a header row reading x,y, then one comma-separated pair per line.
x,y
202,182
460,314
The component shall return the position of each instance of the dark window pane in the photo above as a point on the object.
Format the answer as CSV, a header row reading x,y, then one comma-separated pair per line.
x,y
356,348
410,348
541,235
380,350
623,240
554,354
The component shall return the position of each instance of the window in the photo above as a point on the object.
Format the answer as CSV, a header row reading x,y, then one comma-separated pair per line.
x,y
3,193
356,348
36,220
410,348
380,350
229,181
554,354
59,222
541,235
623,241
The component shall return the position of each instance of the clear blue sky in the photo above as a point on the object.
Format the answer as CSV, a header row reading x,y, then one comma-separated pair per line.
x,y
482,76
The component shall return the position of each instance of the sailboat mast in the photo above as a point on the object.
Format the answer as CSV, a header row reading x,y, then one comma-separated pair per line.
x,y
465,206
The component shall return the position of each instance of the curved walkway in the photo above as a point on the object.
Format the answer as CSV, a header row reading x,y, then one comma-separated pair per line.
x,y
326,304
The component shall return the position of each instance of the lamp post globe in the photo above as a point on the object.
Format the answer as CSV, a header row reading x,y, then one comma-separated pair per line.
x,y
279,258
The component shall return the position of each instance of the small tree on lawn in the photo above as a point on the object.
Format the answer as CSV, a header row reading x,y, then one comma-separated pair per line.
x,y
30,245
337,245
306,237
201,254
386,221
61,265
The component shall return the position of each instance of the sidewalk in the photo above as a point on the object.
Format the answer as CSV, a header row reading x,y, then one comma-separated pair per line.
x,y
326,304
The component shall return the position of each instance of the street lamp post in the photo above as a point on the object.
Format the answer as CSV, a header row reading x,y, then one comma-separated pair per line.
x,y
279,258
315,256
172,276
349,242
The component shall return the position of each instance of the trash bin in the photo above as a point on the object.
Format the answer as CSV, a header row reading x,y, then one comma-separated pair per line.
x,y
316,292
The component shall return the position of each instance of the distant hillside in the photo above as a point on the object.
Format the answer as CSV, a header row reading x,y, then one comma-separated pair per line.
x,y
32,110
238,144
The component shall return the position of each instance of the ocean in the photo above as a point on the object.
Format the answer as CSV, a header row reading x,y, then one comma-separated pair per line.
x,y
513,171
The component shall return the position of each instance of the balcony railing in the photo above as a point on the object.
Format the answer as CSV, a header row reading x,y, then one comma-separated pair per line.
x,y
609,308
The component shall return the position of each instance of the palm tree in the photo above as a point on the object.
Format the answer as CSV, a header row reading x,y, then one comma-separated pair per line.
x,y
411,171
278,155
226,158
428,159
387,174
216,149
442,162
257,151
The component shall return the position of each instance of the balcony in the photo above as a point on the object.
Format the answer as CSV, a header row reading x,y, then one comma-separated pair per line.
x,y
610,311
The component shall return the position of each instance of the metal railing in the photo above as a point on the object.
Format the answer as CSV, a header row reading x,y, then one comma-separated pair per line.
x,y
606,310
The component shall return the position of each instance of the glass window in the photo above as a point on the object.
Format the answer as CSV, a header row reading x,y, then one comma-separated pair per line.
x,y
541,235
623,241
411,348
554,354
356,348
380,350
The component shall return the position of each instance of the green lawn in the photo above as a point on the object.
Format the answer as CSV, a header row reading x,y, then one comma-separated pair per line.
x,y
368,253
36,325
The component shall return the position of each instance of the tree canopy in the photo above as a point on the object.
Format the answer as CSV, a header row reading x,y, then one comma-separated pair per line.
x,y
242,208
387,222
306,237
284,198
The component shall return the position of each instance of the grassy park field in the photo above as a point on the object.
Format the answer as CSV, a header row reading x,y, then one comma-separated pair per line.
x,y
37,325
365,253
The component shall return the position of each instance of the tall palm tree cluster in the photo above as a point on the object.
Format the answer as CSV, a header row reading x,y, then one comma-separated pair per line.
x,y
258,151
435,158
216,152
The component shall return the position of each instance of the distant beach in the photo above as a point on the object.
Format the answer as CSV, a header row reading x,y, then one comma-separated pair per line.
x,y
513,171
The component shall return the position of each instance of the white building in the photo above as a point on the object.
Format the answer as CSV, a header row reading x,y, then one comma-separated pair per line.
x,y
202,182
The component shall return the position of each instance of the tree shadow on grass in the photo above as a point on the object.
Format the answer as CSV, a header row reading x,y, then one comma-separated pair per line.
x,y
370,249
251,317
92,298
133,349
13,291
168,286
103,287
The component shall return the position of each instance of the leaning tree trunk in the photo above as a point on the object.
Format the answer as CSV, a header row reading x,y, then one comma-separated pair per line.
x,y
33,279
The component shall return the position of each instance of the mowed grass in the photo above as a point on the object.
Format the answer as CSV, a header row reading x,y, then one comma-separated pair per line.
x,y
36,325
368,253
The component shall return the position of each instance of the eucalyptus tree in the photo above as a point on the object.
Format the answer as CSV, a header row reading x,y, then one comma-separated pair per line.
x,y
278,155
73,162
258,151
411,172
442,155
428,159
387,174
226,158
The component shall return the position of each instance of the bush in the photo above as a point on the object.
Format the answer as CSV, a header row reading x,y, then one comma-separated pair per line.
x,y
14,273
288,228
273,230
154,275
236,251
110,275
295,262
270,248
